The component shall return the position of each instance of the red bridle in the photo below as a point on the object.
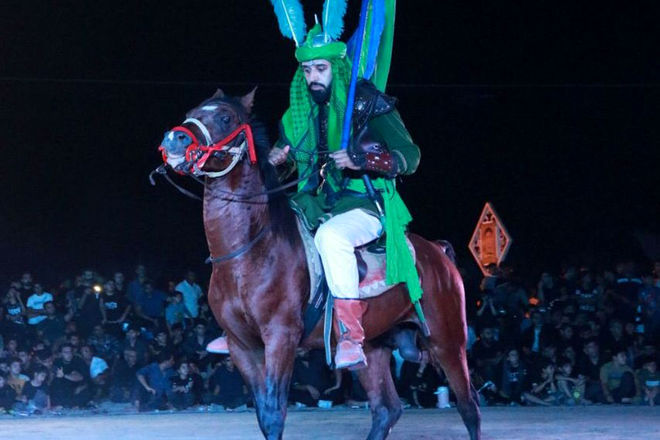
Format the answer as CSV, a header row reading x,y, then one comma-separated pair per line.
x,y
196,154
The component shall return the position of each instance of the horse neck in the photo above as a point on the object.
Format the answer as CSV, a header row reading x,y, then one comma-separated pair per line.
x,y
230,222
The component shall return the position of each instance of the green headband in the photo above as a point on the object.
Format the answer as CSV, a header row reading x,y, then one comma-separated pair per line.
x,y
315,48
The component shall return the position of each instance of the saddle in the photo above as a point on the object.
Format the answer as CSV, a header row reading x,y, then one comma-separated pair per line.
x,y
371,264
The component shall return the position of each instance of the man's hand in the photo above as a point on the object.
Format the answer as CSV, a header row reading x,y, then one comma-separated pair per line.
x,y
277,156
342,160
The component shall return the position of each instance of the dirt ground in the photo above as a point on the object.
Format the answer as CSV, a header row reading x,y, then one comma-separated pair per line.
x,y
600,422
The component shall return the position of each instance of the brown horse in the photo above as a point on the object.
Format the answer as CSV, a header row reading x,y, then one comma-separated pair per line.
x,y
260,282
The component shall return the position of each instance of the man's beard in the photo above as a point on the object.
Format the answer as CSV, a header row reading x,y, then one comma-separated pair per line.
x,y
319,96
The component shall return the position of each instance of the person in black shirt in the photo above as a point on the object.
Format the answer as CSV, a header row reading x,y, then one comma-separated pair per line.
x,y
36,395
115,309
227,386
7,395
311,379
182,395
69,387
123,382
588,367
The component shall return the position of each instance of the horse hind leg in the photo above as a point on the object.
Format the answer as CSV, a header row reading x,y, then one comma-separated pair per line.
x,y
376,379
454,365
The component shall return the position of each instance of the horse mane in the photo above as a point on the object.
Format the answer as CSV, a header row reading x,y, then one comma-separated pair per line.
x,y
282,217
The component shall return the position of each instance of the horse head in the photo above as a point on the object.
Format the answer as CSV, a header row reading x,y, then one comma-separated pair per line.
x,y
213,138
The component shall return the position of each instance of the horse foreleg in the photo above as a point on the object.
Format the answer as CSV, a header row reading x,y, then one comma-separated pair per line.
x,y
376,379
272,398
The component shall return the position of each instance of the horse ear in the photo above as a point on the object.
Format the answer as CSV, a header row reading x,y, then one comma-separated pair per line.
x,y
218,94
248,100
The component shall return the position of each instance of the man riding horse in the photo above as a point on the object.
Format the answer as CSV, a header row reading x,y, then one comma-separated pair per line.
x,y
332,197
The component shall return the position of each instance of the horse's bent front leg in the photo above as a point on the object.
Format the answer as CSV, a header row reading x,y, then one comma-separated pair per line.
x,y
271,401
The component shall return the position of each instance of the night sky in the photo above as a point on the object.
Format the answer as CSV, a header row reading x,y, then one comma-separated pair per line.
x,y
550,111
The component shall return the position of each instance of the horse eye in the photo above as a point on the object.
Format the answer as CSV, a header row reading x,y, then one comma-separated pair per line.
x,y
226,119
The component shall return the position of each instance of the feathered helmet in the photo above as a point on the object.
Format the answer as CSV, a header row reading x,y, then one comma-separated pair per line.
x,y
321,41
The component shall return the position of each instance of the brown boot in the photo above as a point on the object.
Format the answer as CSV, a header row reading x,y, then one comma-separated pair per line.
x,y
350,334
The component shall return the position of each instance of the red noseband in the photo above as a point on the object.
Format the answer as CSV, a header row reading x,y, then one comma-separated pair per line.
x,y
196,154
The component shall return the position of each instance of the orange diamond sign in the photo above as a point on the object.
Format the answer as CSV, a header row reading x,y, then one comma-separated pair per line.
x,y
490,241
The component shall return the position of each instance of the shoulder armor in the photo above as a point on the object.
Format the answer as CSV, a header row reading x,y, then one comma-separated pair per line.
x,y
369,103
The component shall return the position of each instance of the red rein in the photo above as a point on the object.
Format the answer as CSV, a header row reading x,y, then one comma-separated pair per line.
x,y
194,149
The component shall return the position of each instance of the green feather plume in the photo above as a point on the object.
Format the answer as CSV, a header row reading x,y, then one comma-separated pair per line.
x,y
333,18
291,19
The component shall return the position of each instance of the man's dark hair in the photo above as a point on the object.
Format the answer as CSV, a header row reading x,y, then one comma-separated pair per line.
x,y
39,369
163,356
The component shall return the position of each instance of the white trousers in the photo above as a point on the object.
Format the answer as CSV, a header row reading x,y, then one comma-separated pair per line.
x,y
336,240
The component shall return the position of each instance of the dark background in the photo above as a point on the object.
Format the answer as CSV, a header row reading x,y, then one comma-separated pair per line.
x,y
549,111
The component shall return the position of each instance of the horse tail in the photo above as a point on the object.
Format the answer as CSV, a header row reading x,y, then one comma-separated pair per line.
x,y
447,248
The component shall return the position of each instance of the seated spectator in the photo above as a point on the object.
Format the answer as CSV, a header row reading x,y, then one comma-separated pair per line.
x,y
25,287
35,305
195,345
545,391
36,393
177,338
421,380
52,327
135,288
227,386
120,284
547,290
115,309
618,379
7,395
98,372
16,379
89,310
182,395
514,378
614,339
25,358
160,343
534,337
123,379
150,305
155,381
191,293
649,380
566,337
15,313
175,312
571,385
105,345
69,387
134,342
311,379
487,353
586,295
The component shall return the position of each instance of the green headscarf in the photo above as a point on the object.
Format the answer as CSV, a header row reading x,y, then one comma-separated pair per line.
x,y
299,121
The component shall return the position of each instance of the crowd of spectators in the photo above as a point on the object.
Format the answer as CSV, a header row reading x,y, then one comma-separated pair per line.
x,y
579,338
100,339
